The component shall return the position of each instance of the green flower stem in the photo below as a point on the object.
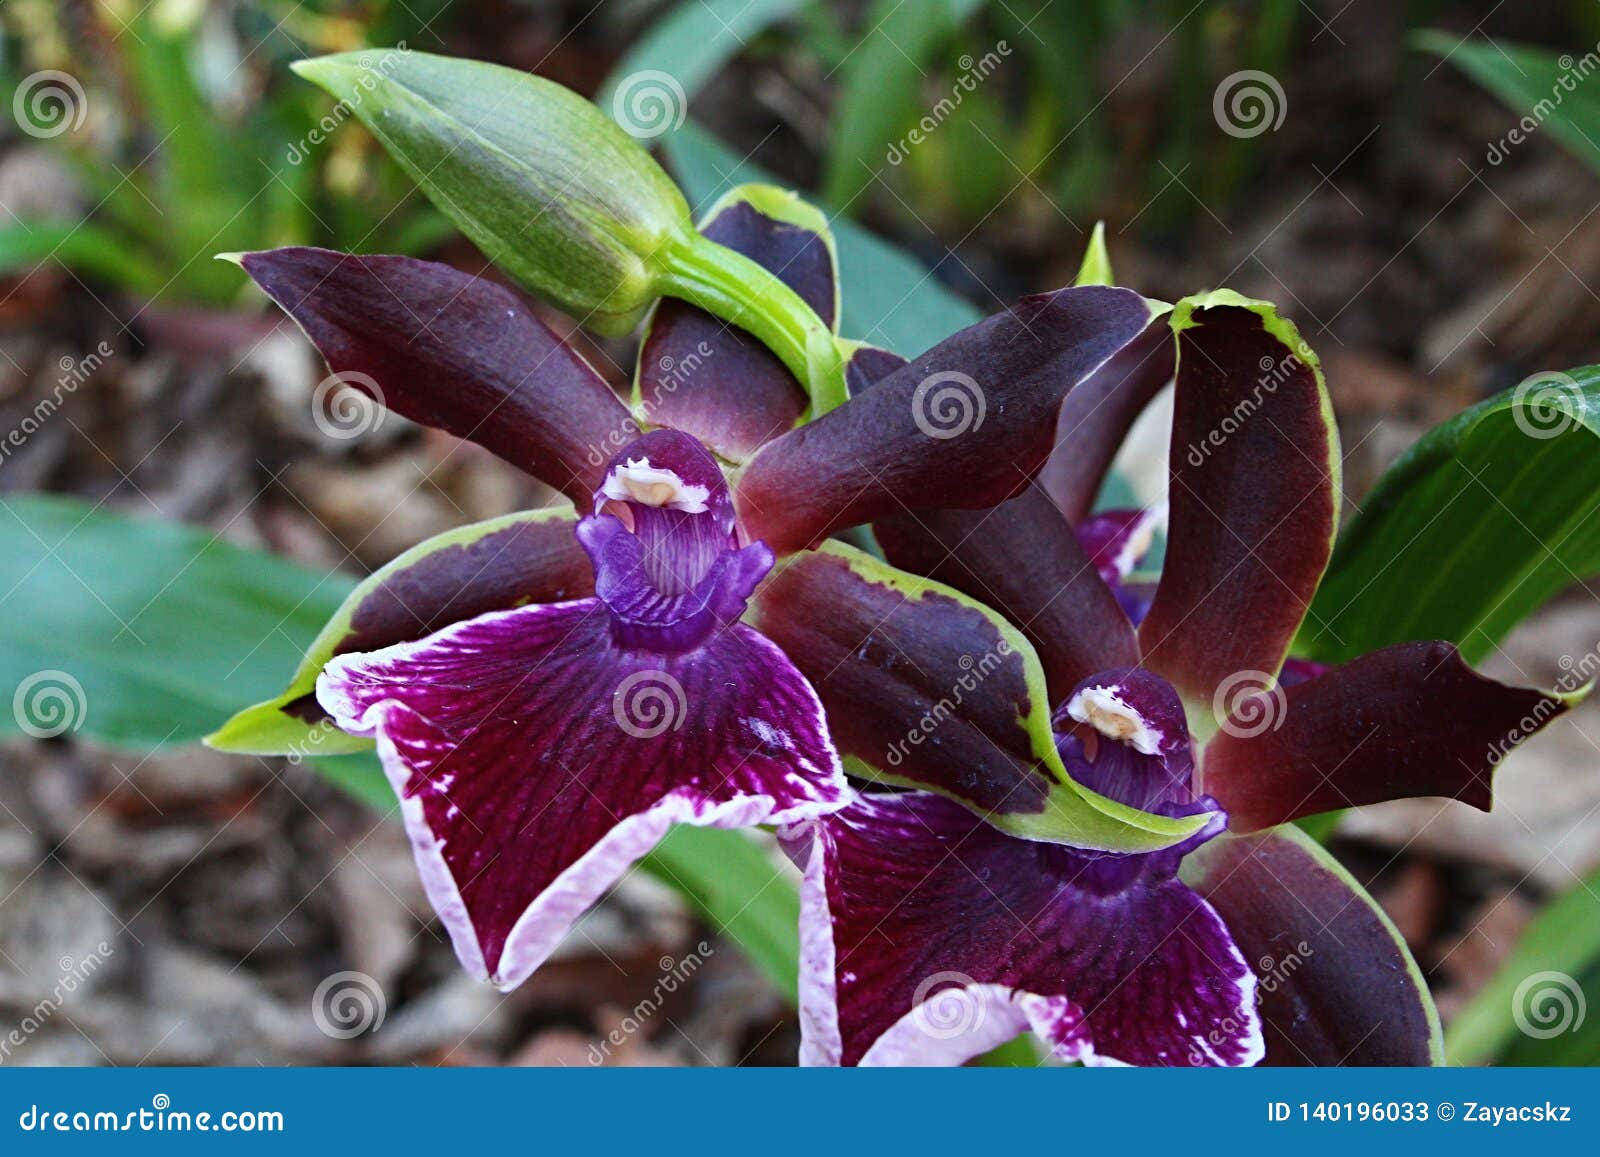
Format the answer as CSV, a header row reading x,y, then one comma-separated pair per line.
x,y
743,293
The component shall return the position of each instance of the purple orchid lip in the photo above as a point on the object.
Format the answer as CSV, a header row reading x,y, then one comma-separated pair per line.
x,y
664,545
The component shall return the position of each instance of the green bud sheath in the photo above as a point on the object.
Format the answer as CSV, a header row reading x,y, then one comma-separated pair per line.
x,y
549,187
565,201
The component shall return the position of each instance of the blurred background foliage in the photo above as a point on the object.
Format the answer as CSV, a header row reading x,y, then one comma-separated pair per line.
x,y
1417,261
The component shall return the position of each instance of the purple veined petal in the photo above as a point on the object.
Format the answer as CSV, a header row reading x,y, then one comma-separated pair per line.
x,y
1409,720
961,427
531,556
700,375
928,936
925,687
1253,495
1022,559
536,760
1097,415
1336,983
455,352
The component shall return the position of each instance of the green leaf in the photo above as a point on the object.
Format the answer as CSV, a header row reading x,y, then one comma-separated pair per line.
x,y
161,631
165,629
1479,523
1536,84
882,89
740,889
693,41
553,190
889,299
82,247
1538,988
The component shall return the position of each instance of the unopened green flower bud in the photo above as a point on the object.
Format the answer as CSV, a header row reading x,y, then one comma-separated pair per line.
x,y
549,187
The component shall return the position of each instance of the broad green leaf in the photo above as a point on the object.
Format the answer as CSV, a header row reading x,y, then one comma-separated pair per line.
x,y
1548,91
1530,1012
164,630
147,633
889,299
882,92
1485,518
691,43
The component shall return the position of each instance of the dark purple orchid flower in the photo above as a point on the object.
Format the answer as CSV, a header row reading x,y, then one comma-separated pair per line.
x,y
929,935
549,692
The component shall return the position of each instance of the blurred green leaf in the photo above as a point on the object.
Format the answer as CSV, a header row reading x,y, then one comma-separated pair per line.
x,y
1535,1010
889,298
1478,524
882,88
149,634
167,630
82,247
1535,83
694,40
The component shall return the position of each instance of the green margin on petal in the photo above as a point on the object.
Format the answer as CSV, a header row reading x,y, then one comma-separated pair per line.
x,y
1195,866
266,729
1073,814
1096,267
1202,721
